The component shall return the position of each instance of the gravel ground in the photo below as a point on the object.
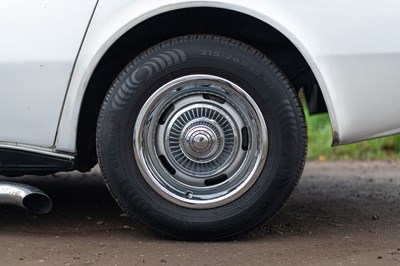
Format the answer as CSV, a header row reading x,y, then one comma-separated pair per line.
x,y
341,213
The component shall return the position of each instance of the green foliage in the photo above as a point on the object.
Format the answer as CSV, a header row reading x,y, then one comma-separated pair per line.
x,y
320,140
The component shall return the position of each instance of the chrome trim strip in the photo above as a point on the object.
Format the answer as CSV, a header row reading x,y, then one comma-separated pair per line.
x,y
39,150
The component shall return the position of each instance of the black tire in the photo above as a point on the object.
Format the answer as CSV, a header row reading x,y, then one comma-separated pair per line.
x,y
143,197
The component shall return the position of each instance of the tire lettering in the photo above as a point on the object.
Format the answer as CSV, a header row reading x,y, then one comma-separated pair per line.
x,y
236,60
112,154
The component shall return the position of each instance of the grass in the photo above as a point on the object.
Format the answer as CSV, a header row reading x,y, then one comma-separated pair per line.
x,y
320,139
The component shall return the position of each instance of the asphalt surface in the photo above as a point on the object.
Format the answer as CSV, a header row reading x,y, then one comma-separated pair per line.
x,y
342,213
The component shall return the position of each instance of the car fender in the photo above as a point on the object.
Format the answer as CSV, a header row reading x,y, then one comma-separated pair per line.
x,y
323,47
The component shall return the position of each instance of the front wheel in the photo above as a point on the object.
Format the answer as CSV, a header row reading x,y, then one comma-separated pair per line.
x,y
201,137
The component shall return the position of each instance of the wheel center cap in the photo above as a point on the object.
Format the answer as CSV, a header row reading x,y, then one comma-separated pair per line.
x,y
201,141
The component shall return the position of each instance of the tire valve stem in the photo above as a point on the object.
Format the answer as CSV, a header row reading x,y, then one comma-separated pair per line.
x,y
189,194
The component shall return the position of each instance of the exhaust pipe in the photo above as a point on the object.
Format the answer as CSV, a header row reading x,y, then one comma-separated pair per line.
x,y
25,196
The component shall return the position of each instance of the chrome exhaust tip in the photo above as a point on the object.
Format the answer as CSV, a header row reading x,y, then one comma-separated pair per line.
x,y
25,196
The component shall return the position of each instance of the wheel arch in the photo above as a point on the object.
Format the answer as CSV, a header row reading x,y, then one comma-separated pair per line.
x,y
96,70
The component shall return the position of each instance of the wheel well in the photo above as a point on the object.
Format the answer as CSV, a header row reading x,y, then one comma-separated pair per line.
x,y
182,22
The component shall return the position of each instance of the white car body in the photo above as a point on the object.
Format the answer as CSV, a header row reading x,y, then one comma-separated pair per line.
x,y
353,49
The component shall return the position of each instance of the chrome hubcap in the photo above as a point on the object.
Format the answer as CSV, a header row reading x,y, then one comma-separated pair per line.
x,y
200,141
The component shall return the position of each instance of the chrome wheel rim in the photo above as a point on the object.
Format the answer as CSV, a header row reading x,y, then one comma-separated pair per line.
x,y
200,141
